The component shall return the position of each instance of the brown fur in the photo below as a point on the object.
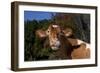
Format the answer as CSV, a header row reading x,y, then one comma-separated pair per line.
x,y
81,52
64,51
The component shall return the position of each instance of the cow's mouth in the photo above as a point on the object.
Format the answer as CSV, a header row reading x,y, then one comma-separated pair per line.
x,y
55,48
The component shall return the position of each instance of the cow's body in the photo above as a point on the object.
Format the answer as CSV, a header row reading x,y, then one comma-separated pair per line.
x,y
81,52
64,47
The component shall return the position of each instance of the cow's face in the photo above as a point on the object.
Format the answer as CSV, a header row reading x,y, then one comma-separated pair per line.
x,y
52,33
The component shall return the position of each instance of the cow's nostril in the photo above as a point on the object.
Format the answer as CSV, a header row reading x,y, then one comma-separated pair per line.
x,y
56,38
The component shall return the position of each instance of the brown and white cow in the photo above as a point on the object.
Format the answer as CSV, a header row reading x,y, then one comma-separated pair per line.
x,y
66,47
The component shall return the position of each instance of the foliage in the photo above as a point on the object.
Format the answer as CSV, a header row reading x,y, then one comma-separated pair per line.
x,y
33,46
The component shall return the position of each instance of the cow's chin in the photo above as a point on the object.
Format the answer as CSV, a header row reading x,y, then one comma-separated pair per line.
x,y
54,48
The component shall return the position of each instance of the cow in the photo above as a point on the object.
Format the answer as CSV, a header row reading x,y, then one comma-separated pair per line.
x,y
64,44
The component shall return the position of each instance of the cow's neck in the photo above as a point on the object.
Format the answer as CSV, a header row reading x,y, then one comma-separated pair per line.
x,y
65,49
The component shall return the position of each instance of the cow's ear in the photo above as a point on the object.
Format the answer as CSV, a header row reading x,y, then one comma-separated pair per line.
x,y
41,33
68,32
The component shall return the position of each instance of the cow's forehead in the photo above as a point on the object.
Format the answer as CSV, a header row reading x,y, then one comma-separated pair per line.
x,y
55,26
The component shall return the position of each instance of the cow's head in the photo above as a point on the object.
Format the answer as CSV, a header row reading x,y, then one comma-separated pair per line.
x,y
52,33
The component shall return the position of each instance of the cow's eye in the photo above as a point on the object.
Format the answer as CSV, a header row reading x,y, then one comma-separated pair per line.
x,y
48,31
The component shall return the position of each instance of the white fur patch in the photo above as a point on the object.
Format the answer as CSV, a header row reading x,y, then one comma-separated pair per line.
x,y
54,48
57,43
80,42
42,35
55,26
68,34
